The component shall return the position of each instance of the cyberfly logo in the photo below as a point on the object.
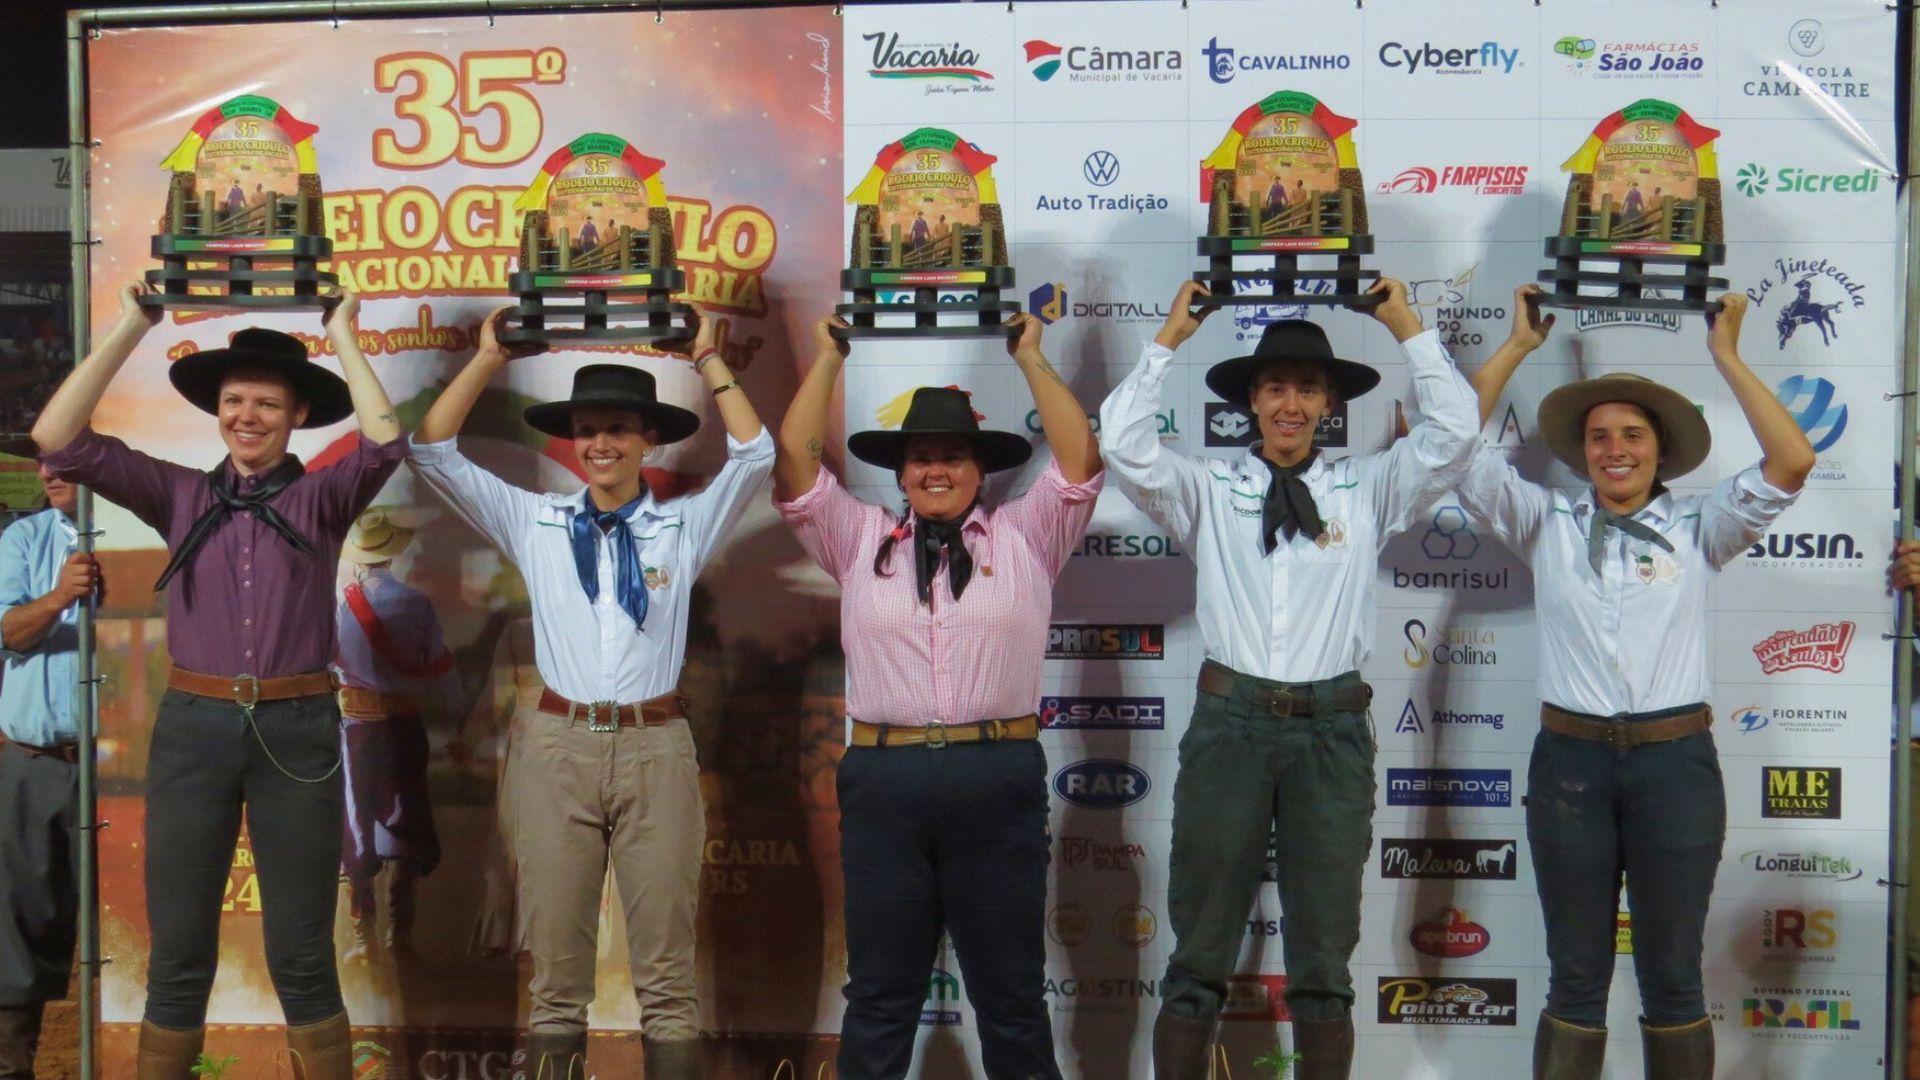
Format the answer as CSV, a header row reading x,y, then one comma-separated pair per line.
x,y
1102,784
1810,400
1101,168
1048,303
1751,179
1488,56
1043,58
1449,537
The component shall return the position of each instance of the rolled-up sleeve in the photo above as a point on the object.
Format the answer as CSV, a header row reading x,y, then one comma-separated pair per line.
x,y
494,508
1738,512
829,522
145,485
1052,515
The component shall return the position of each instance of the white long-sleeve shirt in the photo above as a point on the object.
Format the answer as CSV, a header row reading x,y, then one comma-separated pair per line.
x,y
1306,611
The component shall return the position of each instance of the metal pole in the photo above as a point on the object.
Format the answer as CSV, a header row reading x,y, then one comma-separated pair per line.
x,y
86,703
1903,603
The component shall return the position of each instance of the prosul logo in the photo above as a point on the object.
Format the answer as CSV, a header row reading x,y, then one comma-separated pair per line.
x,y
1450,933
1821,647
1102,783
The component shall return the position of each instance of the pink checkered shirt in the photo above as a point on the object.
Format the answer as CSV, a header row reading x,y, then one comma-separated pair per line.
x,y
977,658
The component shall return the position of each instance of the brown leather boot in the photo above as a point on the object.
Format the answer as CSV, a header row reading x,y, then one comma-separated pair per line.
x,y
1182,1048
1684,1052
1325,1048
321,1051
19,1038
672,1059
1563,1051
166,1054
556,1055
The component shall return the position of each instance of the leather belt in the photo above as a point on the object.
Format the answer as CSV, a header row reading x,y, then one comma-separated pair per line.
x,y
936,735
1623,732
364,704
68,752
247,691
611,716
1293,699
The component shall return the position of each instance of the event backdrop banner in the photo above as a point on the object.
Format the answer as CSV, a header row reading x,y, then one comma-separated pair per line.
x,y
1100,116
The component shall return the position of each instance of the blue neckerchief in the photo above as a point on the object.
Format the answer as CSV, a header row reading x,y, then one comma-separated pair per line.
x,y
630,583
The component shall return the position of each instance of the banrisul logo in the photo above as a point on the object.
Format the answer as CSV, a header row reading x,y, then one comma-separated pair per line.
x,y
1104,713
1754,180
895,59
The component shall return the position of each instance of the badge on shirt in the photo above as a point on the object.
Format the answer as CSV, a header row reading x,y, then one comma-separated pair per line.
x,y
1658,567
658,577
1333,536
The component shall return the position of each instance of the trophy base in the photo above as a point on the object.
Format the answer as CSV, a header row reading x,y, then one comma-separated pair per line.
x,y
612,307
1682,287
984,307
1280,272
191,276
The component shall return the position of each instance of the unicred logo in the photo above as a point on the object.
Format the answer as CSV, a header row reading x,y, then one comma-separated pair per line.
x,y
1043,58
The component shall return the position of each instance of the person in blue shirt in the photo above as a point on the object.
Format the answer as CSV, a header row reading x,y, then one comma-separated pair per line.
x,y
42,579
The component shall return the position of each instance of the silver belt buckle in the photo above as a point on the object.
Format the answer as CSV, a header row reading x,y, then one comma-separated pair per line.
x,y
612,721
936,735
246,691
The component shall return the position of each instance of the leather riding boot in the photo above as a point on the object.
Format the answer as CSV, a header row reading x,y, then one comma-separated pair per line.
x,y
167,1054
400,908
1563,1051
672,1059
321,1051
1683,1052
19,1038
1182,1048
1325,1048
556,1055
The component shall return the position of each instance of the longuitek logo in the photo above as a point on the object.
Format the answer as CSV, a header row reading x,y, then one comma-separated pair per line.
x,y
1479,179
892,60
1823,647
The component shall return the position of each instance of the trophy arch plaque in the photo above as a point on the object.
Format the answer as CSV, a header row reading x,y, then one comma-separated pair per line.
x,y
927,221
597,259
1641,225
243,226
1282,185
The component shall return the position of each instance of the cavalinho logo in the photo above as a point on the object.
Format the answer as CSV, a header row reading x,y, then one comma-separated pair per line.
x,y
1754,180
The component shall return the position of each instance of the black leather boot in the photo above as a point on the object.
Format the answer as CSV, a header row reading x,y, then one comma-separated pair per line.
x,y
1325,1048
1563,1051
672,1059
555,1055
1182,1048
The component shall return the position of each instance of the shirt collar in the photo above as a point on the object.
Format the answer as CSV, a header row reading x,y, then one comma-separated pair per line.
x,y
643,505
1255,465
977,521
1659,509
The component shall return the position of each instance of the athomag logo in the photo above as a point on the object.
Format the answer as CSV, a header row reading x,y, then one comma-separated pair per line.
x,y
1752,718
1824,1009
1808,934
1488,56
1821,647
1411,724
1450,933
1084,851
1102,784
1101,169
1224,61
1127,546
920,60
1465,1002
1807,38
1449,787
1104,713
1455,860
1754,180
943,999
1802,864
1233,425
1797,791
1631,59
1098,64
1256,997
1447,646
1479,179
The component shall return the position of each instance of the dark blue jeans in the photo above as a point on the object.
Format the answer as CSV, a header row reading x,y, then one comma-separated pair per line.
x,y
206,767
1658,815
952,837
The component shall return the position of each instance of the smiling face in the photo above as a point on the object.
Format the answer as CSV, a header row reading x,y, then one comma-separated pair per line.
x,y
1623,453
610,445
258,412
1289,398
940,476
60,495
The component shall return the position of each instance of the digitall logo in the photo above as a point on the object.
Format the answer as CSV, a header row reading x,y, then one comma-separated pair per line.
x,y
1799,791
1448,1001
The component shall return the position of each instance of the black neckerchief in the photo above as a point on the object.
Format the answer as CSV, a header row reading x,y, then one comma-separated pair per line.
x,y
1289,507
929,537
227,502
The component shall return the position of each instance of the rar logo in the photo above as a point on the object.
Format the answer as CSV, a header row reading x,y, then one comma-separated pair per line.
x,y
1752,180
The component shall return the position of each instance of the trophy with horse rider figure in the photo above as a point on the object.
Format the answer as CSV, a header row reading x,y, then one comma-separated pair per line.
x,y
928,241
242,227
1283,185
1644,197
597,260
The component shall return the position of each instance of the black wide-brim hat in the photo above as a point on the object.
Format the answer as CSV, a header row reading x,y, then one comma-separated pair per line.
x,y
1290,339
940,410
613,386
198,376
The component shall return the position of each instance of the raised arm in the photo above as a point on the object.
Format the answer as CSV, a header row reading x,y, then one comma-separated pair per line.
x,y
370,404
803,432
1529,333
736,412
1167,486
1061,417
443,421
72,405
1788,456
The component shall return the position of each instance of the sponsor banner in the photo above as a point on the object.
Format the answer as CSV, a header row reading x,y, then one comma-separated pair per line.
x,y
1808,1007
1806,793
1790,57
1256,997
1079,62
1836,407
1790,935
1101,183
1789,172
1448,858
1458,652
1461,287
1467,930
1447,1001
912,67
1455,788
1445,554
1806,295
1833,544
1465,183
1110,788
1435,721
1423,62
1591,66
1771,860
1803,649
1771,720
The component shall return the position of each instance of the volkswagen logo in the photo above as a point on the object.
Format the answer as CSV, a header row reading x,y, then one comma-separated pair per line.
x,y
1101,168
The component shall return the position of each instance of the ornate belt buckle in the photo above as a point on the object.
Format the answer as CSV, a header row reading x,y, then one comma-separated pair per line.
x,y
1280,703
936,735
612,721
246,691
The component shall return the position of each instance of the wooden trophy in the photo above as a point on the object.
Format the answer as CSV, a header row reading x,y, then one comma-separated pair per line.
x,y
927,221
1645,191
596,251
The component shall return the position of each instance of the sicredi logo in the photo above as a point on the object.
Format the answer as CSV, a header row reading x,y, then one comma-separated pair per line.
x,y
1754,180
1101,63
1225,61
1449,787
1456,860
1106,641
1102,784
1486,57
1104,713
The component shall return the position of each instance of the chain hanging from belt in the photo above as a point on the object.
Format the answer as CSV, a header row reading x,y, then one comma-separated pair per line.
x,y
247,702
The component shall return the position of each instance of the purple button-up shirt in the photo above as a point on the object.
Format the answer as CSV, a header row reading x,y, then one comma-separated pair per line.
x,y
249,602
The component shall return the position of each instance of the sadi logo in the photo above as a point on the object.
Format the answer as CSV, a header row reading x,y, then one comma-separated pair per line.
x,y
1449,787
1463,1002
1450,933
1821,647
1102,784
1106,641
1795,791
1097,64
1104,713
893,60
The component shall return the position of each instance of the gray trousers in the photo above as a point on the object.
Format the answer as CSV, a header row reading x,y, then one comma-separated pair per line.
x,y
39,856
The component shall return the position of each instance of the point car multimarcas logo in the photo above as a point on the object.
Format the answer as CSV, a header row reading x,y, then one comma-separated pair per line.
x,y
1420,999
1450,933
1800,791
1479,179
1821,647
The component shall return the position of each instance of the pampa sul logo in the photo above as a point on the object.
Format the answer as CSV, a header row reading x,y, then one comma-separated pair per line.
x,y
935,61
1101,63
1754,180
1809,293
1224,61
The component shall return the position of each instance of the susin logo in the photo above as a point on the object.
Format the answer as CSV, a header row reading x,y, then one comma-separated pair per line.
x,y
1793,791
1130,641
1488,56
1456,860
1102,784
1104,713
1829,551
1449,787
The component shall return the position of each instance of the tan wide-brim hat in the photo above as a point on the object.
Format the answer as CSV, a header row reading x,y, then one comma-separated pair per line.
x,y
1685,438
375,538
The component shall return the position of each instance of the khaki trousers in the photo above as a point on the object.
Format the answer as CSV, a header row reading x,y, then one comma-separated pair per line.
x,y
579,799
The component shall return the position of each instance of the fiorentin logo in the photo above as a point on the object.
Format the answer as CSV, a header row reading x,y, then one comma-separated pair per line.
x,y
1798,791
1102,784
1802,864
1104,713
1101,168
1048,302
1450,934
1824,1009
1824,721
1821,647
1754,180
1233,425
1100,64
943,999
1455,860
1106,641
1043,58
1488,56
1479,179
1420,999
1750,718
893,60
1449,787
1223,61
1449,537
1810,400
1256,997
1820,289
